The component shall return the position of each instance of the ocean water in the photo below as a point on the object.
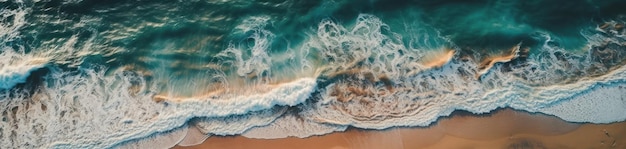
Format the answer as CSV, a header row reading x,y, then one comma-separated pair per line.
x,y
132,73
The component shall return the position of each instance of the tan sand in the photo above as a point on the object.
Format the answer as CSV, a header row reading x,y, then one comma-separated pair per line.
x,y
502,129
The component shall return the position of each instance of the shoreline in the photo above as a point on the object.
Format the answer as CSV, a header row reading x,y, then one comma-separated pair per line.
x,y
501,128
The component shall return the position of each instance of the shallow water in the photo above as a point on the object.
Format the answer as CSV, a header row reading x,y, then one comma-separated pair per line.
x,y
91,74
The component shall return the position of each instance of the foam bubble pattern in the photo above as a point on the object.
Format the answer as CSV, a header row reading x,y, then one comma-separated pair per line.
x,y
368,79
91,110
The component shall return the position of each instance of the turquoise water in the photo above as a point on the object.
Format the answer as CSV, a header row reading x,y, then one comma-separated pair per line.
x,y
96,74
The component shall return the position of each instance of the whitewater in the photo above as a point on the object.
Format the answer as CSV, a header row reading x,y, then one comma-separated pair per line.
x,y
89,88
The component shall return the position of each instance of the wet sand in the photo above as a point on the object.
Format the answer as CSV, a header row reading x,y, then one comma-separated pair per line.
x,y
501,129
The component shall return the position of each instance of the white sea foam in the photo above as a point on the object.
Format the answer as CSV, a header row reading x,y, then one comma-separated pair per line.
x,y
604,104
287,94
447,90
92,110
259,61
162,140
290,125
15,20
600,100
193,137
237,124
545,79
15,67
385,86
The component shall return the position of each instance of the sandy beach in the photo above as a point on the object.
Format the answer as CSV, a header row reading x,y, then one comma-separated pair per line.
x,y
501,129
